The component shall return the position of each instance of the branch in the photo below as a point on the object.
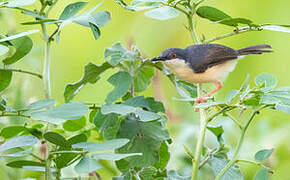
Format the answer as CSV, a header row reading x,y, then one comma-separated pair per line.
x,y
240,142
235,32
25,72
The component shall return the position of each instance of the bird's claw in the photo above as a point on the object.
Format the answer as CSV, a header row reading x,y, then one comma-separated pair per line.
x,y
202,99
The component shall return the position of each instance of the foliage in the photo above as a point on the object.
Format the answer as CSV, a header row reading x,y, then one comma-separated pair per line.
x,y
130,128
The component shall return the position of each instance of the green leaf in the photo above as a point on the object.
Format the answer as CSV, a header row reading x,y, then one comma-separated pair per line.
x,y
218,164
155,106
164,156
262,174
108,145
102,122
217,131
118,53
74,125
71,10
138,101
101,18
3,49
209,104
145,138
38,168
124,110
17,154
268,79
63,160
148,173
5,79
96,31
23,46
114,157
139,5
87,165
280,28
91,75
19,35
21,163
56,139
263,155
11,131
20,141
231,95
143,78
235,21
57,115
172,174
211,13
283,108
41,104
162,13
122,82
18,3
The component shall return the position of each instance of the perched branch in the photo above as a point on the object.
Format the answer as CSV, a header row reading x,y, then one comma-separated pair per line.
x,y
235,32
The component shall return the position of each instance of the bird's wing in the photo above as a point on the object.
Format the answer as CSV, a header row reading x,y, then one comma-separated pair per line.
x,y
201,57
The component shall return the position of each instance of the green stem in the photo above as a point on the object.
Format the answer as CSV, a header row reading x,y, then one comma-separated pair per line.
x,y
200,140
240,142
46,63
235,32
191,28
25,72
47,168
14,115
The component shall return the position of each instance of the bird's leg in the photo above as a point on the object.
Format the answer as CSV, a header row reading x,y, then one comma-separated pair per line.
x,y
218,85
203,98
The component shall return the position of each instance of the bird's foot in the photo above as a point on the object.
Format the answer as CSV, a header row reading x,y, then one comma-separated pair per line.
x,y
201,99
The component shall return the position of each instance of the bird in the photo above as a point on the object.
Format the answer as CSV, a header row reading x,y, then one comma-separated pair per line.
x,y
206,63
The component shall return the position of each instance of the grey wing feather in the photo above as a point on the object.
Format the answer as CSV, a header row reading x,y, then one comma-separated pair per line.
x,y
203,56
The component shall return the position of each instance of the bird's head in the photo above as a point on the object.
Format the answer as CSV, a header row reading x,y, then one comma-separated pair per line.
x,y
171,53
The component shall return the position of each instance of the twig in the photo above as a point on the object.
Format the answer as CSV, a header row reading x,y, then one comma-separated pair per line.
x,y
235,32
240,142
25,72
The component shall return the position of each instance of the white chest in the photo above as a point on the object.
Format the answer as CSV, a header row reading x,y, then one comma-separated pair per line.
x,y
213,74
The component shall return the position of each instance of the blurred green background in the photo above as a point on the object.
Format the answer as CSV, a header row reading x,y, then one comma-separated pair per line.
x,y
78,47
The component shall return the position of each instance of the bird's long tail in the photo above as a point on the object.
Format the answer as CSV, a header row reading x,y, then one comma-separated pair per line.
x,y
257,49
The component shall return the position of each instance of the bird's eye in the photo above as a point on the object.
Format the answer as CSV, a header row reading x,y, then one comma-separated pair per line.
x,y
173,56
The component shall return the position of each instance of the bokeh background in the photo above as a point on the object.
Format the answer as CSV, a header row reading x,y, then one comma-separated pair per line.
x,y
78,47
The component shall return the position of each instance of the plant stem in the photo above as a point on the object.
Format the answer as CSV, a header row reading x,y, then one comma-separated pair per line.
x,y
191,28
235,32
25,72
46,65
200,140
47,167
240,142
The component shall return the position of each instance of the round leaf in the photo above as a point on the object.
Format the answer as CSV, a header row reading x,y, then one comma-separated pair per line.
x,y
87,165
162,13
5,79
3,49
263,155
23,46
262,174
20,141
74,125
11,131
44,103
56,139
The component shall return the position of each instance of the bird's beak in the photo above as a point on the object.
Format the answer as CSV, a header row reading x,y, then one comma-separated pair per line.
x,y
159,59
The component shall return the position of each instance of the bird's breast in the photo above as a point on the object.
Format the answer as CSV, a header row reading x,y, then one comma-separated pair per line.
x,y
212,74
